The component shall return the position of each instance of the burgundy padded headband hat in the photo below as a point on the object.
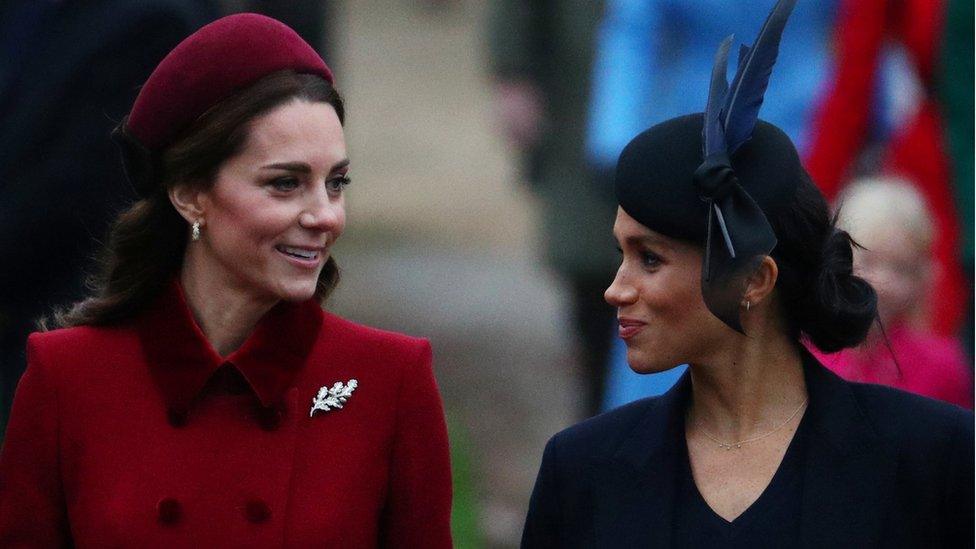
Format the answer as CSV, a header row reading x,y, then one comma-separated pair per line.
x,y
204,69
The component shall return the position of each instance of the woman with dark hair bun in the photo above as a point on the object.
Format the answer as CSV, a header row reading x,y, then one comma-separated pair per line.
x,y
730,260
201,397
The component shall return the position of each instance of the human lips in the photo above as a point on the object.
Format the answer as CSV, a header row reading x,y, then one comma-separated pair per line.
x,y
303,256
629,327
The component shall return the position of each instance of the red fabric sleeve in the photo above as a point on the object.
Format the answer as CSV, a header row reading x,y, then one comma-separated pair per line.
x,y
418,505
32,506
841,121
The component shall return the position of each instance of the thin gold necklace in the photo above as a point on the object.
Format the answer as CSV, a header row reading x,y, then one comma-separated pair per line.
x,y
730,445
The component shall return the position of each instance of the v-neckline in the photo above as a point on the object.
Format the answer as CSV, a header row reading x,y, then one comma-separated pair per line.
x,y
787,467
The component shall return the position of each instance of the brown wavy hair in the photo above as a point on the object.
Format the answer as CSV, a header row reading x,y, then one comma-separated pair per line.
x,y
146,242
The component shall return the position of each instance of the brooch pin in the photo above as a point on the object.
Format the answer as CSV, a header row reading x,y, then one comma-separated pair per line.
x,y
334,397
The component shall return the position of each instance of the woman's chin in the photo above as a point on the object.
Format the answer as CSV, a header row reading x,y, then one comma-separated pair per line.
x,y
650,369
641,363
296,291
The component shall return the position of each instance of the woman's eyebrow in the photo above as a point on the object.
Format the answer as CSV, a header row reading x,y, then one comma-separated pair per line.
x,y
647,240
302,167
340,164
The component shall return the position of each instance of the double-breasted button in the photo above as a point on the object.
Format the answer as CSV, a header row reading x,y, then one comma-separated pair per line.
x,y
270,418
177,417
257,511
169,511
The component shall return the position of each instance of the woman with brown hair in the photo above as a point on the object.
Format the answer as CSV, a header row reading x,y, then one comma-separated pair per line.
x,y
201,396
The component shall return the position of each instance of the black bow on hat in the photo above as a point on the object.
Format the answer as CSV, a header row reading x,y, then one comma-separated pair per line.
x,y
737,232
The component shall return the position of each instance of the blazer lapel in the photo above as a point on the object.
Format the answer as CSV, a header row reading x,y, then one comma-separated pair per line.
x,y
849,470
635,490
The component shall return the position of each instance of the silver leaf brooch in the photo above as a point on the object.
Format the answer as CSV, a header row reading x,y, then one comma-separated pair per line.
x,y
333,397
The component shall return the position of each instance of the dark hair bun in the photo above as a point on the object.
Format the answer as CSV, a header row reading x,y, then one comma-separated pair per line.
x,y
839,307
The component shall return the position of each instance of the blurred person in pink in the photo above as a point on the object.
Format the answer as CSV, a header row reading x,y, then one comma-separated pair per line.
x,y
888,217
848,124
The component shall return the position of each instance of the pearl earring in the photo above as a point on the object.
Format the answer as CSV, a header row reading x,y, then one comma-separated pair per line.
x,y
195,231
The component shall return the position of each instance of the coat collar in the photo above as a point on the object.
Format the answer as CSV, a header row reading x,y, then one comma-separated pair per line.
x,y
636,493
849,470
181,360
846,469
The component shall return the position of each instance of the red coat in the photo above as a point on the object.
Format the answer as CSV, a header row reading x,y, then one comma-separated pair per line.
x,y
142,436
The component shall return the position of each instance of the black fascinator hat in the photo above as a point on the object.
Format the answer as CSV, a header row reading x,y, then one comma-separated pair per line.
x,y
713,177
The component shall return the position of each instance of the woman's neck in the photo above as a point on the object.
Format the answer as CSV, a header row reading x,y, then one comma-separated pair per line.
x,y
225,314
748,390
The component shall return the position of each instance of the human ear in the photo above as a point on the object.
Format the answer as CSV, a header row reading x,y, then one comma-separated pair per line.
x,y
189,201
762,282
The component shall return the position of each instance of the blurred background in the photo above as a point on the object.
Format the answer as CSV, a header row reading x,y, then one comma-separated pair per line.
x,y
482,137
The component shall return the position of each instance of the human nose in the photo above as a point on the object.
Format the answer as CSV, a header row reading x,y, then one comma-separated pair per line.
x,y
620,292
323,213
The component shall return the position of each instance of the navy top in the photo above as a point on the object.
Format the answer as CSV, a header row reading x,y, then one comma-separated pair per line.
x,y
773,520
878,468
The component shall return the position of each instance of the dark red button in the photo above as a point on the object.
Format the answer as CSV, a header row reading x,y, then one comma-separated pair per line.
x,y
169,511
257,511
271,417
177,417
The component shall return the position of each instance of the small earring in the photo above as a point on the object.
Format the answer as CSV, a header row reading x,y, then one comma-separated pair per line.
x,y
195,231
747,305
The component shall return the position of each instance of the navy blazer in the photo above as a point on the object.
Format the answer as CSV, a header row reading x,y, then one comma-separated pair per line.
x,y
882,468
